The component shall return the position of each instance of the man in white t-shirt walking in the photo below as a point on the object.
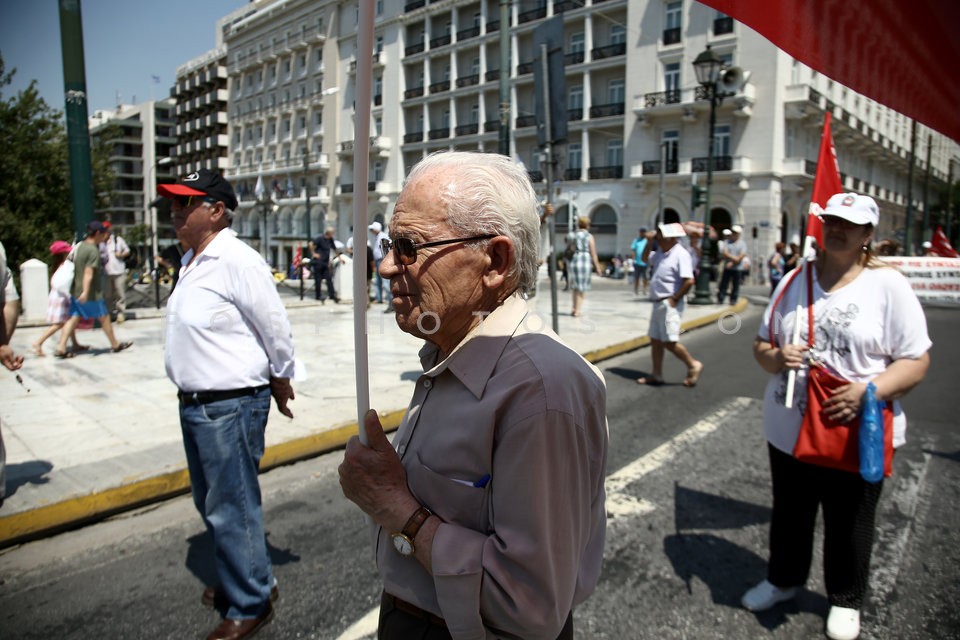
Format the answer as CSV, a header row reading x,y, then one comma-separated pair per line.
x,y
115,251
672,279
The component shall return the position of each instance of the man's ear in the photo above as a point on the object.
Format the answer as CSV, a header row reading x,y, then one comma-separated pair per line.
x,y
500,258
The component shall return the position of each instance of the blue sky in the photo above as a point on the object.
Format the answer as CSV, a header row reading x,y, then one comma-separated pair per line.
x,y
126,42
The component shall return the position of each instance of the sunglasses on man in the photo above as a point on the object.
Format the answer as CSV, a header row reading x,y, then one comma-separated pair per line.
x,y
406,249
186,202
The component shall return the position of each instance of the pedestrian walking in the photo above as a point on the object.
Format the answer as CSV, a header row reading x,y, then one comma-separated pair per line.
x,y
86,294
776,263
488,509
672,279
377,236
324,250
58,301
584,262
115,269
861,323
228,349
638,247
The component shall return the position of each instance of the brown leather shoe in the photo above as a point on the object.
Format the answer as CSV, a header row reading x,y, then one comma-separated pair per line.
x,y
231,629
213,596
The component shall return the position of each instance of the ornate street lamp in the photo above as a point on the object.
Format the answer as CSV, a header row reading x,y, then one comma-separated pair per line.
x,y
707,66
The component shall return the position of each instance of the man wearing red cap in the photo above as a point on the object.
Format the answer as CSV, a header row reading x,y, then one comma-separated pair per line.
x,y
228,349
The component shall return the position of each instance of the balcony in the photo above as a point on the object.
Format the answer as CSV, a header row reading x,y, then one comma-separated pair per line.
x,y
606,110
671,36
437,134
720,163
416,92
574,114
491,125
524,68
535,176
377,100
413,49
416,136
493,25
437,87
526,121
609,51
491,75
567,5
652,167
605,173
467,129
659,98
573,58
440,41
533,14
346,188
468,81
466,34
414,5
573,173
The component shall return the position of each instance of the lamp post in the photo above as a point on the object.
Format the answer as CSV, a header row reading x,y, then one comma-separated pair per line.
x,y
267,205
149,190
306,190
707,66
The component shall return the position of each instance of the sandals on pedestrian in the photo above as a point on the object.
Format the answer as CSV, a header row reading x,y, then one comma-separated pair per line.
x,y
650,381
63,355
123,345
693,375
81,348
37,351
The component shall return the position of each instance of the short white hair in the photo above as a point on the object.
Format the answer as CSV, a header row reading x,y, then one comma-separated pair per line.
x,y
489,193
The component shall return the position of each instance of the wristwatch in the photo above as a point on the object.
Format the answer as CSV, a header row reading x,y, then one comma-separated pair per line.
x,y
403,540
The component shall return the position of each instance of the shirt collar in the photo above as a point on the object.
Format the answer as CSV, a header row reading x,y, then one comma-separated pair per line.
x,y
215,248
473,361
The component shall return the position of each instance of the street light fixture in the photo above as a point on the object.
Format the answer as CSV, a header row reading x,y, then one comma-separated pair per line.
x,y
707,66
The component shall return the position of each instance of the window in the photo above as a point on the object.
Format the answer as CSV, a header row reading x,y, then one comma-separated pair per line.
x,y
475,114
673,18
445,119
378,47
671,139
318,118
671,82
576,43
721,140
378,126
379,7
574,155
378,86
618,34
377,171
575,101
614,153
615,92
286,69
475,66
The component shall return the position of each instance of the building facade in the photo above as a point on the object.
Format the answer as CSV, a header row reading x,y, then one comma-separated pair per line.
x,y
638,121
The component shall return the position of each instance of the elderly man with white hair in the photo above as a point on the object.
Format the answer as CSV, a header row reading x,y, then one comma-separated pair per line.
x,y
488,509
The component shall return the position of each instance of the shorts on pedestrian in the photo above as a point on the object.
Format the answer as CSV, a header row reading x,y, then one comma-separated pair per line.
x,y
88,310
664,322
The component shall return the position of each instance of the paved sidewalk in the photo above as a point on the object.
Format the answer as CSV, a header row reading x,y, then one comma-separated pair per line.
x,y
99,433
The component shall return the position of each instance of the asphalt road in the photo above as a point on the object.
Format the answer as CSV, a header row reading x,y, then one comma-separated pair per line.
x,y
688,493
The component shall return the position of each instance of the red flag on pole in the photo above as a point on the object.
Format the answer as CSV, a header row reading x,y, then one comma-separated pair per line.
x,y
296,258
941,244
826,182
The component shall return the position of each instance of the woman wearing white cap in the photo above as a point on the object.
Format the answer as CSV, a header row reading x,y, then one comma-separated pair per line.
x,y
868,327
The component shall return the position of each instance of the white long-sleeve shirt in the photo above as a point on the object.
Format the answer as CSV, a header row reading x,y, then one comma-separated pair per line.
x,y
226,326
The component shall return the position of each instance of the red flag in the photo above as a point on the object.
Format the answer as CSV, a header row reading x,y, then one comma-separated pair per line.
x,y
296,258
826,182
941,245
898,53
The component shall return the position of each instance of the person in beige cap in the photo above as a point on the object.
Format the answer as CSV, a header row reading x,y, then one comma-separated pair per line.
x,y
869,327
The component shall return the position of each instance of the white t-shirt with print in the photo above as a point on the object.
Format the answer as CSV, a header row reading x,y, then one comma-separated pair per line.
x,y
860,329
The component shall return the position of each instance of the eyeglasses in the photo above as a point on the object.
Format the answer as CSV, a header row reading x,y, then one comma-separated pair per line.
x,y
185,202
837,221
406,249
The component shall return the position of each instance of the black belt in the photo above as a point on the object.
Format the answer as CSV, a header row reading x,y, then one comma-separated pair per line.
x,y
206,397
414,610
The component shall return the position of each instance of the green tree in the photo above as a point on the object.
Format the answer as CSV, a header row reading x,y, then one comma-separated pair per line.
x,y
36,207
34,190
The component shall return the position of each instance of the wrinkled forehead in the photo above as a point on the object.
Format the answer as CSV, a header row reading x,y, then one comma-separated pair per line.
x,y
421,205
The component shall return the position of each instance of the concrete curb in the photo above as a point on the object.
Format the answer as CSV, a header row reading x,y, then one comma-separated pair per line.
x,y
79,510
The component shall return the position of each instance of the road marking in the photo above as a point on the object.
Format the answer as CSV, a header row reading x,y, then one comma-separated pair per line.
x,y
620,505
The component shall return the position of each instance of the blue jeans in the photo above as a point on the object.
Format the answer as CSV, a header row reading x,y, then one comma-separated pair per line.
x,y
379,293
224,443
730,277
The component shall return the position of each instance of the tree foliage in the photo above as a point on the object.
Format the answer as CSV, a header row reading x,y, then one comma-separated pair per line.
x,y
36,206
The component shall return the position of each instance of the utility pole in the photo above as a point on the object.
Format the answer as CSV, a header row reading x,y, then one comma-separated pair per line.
x,y
504,146
908,231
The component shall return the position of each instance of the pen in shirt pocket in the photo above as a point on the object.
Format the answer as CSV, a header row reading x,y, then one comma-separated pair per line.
x,y
479,484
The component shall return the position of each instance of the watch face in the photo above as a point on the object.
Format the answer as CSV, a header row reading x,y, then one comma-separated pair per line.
x,y
402,545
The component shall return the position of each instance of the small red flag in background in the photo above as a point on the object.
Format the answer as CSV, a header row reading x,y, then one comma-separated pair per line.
x,y
296,258
826,182
941,246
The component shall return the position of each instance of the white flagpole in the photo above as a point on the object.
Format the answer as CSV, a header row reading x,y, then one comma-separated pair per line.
x,y
361,173
806,259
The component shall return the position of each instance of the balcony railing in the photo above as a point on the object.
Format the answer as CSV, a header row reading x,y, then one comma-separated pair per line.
x,y
573,58
566,5
416,136
533,14
535,176
526,121
524,68
491,125
436,134
671,36
468,81
413,49
573,173
440,41
652,167
605,110
414,5
574,114
493,25
466,34
661,97
491,74
609,51
346,188
720,163
437,87
415,92
467,129
601,173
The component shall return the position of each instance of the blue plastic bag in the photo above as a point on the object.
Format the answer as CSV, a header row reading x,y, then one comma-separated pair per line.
x,y
871,437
